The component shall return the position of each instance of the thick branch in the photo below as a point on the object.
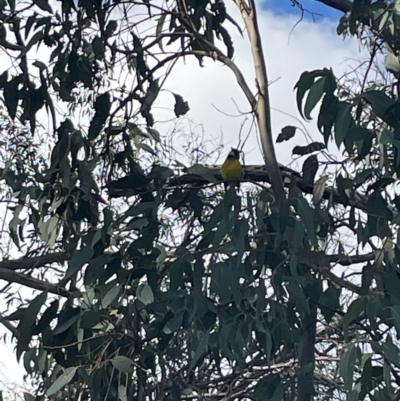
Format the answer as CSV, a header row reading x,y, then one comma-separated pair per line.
x,y
307,354
262,110
19,278
33,262
218,55
8,273
260,174
340,5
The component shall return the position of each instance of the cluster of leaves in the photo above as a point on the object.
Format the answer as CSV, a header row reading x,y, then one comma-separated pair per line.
x,y
156,324
205,20
366,126
174,292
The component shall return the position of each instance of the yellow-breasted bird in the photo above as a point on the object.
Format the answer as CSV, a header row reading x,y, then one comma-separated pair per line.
x,y
232,170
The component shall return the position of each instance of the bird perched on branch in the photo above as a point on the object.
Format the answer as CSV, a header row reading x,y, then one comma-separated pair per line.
x,y
232,170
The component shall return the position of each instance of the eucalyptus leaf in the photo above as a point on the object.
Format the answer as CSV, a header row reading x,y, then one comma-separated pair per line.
x,y
62,380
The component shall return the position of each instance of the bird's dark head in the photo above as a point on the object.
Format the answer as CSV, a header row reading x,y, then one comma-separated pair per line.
x,y
234,154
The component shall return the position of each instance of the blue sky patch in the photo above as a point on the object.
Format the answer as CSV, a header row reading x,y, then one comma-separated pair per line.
x,y
314,9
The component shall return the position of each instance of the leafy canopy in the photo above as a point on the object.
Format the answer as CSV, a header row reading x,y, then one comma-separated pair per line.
x,y
153,283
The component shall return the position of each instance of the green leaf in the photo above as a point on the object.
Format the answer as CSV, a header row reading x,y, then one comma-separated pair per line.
x,y
11,96
343,122
129,182
27,397
102,107
309,170
140,208
359,9
78,260
110,28
227,41
89,319
286,133
269,388
145,294
329,302
37,37
306,83
15,224
305,150
159,28
395,312
371,378
66,319
314,96
303,85
44,5
201,348
381,183
381,18
110,296
381,104
387,137
357,133
137,223
26,324
307,217
95,269
99,52
3,78
181,106
220,281
62,380
378,206
160,173
353,312
319,189
48,316
174,324
209,33
151,95
297,294
139,61
12,5
123,364
225,335
390,351
327,115
347,364
363,176
203,172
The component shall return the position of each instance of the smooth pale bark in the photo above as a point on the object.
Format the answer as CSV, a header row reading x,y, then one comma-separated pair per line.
x,y
262,108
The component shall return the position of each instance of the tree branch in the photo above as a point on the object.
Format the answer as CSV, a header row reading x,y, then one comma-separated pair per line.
x,y
255,173
33,262
262,110
19,278
340,5
307,354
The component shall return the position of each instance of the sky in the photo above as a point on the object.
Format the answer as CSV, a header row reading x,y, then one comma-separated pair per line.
x,y
312,9
291,46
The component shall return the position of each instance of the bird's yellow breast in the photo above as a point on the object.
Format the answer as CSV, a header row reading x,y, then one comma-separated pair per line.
x,y
231,170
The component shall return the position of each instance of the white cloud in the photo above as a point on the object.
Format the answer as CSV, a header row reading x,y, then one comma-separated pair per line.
x,y
289,50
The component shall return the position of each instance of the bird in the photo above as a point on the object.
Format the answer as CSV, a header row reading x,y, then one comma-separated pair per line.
x,y
232,170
